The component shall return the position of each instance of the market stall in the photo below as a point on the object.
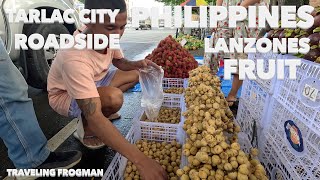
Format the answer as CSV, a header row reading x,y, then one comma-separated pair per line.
x,y
195,135
184,138
199,33
281,117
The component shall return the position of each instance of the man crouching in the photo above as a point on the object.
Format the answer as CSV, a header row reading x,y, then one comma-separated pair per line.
x,y
82,84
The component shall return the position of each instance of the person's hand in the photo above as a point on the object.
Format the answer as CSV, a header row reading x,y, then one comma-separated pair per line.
x,y
145,63
149,169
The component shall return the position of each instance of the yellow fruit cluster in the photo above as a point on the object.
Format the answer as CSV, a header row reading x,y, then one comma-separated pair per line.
x,y
212,147
174,90
168,115
168,155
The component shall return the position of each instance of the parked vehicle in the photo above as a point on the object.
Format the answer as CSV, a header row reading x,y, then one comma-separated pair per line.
x,y
144,25
161,23
34,64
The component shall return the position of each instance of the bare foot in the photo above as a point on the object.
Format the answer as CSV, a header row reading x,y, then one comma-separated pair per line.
x,y
90,139
231,100
114,116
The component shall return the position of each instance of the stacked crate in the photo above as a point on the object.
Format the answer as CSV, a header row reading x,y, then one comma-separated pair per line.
x,y
151,131
168,83
283,117
253,106
159,132
255,98
290,147
170,101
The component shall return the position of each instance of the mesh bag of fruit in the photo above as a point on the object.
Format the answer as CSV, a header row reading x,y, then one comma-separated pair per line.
x,y
150,80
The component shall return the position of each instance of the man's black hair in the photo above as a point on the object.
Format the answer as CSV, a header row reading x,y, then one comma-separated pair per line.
x,y
106,4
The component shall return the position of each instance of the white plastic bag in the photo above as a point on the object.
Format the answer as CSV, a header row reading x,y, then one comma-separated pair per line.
x,y
150,80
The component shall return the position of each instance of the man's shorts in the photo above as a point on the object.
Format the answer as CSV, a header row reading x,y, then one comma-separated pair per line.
x,y
74,110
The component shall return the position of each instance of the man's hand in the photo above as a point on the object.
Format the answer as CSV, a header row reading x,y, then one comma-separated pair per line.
x,y
149,169
110,136
145,63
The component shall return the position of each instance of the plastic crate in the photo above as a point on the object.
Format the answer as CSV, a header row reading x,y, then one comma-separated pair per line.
x,y
174,82
290,94
244,142
275,169
268,85
156,132
149,131
253,106
171,101
289,147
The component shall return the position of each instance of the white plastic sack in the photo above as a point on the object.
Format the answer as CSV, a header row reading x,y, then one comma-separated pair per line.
x,y
150,80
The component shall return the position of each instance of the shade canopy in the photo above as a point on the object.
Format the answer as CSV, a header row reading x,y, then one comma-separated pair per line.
x,y
194,3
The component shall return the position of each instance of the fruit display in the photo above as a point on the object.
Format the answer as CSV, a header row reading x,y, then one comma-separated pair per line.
x,y
174,59
312,33
174,90
212,146
313,54
168,155
168,115
316,15
192,42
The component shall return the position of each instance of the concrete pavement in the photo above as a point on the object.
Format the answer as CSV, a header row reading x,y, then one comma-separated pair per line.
x,y
136,45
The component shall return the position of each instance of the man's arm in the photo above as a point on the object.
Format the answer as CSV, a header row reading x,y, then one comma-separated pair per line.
x,y
126,65
109,135
104,129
